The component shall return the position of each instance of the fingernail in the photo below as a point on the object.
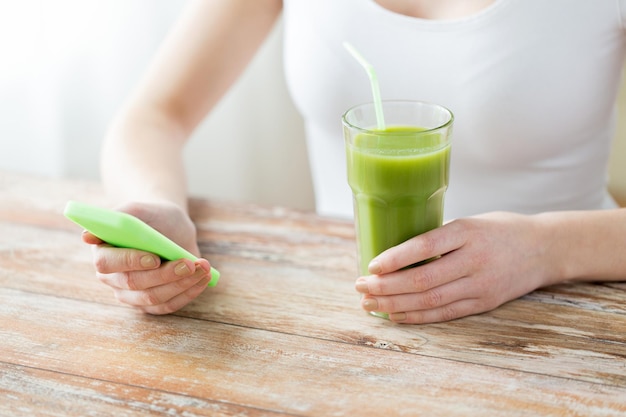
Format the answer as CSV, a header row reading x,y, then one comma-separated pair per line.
x,y
182,269
203,282
370,304
148,261
204,265
397,317
374,267
361,286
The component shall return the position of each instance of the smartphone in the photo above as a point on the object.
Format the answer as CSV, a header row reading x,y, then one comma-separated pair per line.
x,y
127,231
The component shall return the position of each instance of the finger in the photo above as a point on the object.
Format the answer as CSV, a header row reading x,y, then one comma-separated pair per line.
x,y
445,269
109,259
178,301
160,294
426,246
90,238
141,280
433,298
455,310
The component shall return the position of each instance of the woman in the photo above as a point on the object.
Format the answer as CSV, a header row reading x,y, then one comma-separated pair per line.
x,y
532,85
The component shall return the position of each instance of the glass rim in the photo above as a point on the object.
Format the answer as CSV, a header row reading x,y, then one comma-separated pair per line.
x,y
382,133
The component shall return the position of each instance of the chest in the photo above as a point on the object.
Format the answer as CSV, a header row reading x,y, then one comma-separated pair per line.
x,y
441,9
524,77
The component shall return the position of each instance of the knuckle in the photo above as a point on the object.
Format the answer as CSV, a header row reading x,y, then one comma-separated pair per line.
x,y
108,261
376,287
127,281
490,303
432,298
423,279
101,263
127,259
134,208
149,298
463,224
448,313
416,281
414,317
185,284
388,304
167,307
425,244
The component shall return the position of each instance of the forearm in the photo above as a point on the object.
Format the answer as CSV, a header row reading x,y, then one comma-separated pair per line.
x,y
142,158
202,56
585,245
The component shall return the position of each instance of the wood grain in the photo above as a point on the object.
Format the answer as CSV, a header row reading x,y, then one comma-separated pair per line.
x,y
271,370
282,334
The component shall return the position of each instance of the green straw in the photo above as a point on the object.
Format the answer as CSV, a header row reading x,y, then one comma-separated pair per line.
x,y
378,106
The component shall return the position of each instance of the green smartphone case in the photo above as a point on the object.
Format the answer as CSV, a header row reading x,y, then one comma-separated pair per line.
x,y
126,231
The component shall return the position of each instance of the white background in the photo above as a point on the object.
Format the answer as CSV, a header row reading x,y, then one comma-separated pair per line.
x,y
67,65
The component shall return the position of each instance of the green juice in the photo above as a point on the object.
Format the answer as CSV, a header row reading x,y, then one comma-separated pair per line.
x,y
398,177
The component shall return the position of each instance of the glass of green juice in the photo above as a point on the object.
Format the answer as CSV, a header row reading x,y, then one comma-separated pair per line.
x,y
398,174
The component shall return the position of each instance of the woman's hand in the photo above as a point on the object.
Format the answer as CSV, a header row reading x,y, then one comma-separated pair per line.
x,y
481,262
140,279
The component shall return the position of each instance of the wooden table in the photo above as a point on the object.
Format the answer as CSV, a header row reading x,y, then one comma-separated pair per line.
x,y
282,334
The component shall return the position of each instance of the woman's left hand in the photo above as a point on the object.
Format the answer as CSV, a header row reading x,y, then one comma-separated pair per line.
x,y
481,262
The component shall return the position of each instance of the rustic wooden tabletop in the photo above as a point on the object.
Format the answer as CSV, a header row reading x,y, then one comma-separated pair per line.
x,y
282,334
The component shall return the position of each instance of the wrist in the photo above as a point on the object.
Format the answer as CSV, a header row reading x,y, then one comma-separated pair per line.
x,y
554,239
584,245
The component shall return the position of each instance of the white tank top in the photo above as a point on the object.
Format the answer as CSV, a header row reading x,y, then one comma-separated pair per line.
x,y
532,85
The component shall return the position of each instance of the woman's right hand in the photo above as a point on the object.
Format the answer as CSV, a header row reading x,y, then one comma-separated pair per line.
x,y
141,279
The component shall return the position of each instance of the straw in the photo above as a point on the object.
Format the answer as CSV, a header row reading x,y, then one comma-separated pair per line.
x,y
378,106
